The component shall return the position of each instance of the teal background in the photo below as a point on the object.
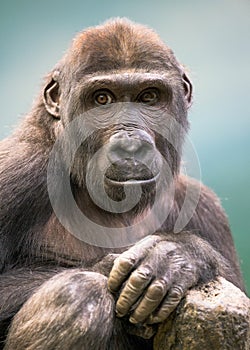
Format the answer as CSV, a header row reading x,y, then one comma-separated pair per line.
x,y
211,37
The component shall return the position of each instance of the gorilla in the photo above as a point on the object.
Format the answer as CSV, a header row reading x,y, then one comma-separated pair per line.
x,y
101,234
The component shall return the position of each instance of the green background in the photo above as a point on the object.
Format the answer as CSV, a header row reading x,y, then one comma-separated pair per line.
x,y
211,37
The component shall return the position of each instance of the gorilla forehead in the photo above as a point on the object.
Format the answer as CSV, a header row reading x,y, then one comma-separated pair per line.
x,y
120,44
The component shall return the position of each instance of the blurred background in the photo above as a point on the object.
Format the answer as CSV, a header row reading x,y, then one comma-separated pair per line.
x,y
211,37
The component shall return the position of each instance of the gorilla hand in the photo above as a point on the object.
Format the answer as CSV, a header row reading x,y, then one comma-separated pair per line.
x,y
154,275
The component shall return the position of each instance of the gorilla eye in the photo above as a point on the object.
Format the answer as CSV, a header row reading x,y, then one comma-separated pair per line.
x,y
149,96
103,98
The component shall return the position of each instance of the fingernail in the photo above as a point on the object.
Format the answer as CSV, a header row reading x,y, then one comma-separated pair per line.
x,y
119,314
133,320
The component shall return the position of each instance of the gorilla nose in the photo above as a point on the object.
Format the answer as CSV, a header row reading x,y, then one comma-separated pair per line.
x,y
127,145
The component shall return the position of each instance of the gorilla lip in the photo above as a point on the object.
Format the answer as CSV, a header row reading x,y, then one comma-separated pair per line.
x,y
132,182
131,172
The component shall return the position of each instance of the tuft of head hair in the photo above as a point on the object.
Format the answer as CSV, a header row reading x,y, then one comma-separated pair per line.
x,y
120,44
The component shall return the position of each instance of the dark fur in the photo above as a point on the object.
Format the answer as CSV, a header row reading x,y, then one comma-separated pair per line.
x,y
37,251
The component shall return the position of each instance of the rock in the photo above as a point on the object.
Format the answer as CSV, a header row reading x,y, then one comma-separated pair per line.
x,y
213,317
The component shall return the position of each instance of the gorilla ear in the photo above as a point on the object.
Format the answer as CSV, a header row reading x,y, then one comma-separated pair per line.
x,y
188,88
51,98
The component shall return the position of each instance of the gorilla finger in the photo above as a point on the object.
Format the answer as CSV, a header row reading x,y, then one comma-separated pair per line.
x,y
133,289
153,297
171,301
128,260
123,265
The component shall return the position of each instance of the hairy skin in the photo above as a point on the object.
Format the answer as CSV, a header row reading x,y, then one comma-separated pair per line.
x,y
57,291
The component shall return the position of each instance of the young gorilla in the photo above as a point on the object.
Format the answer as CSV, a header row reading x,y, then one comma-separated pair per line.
x,y
59,291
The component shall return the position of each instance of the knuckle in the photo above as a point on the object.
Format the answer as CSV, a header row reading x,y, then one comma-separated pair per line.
x,y
157,289
190,273
188,266
170,247
125,263
151,239
144,272
175,294
140,277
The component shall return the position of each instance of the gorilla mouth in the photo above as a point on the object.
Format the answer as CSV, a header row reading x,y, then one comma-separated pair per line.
x,y
130,173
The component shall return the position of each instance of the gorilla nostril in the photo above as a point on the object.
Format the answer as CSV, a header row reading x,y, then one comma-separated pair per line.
x,y
124,146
